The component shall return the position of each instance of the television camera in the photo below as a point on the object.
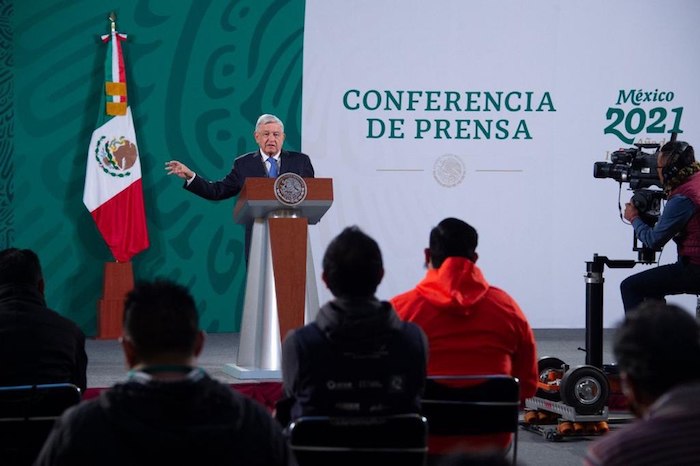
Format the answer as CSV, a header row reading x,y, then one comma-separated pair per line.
x,y
638,168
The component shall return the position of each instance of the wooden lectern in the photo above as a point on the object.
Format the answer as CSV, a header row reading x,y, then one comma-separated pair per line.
x,y
281,291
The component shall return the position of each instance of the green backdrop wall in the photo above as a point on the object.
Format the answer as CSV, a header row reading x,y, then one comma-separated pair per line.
x,y
199,73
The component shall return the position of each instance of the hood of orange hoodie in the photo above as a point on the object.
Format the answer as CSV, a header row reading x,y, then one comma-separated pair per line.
x,y
456,286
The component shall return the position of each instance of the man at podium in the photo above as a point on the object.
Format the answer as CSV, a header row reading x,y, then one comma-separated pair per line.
x,y
270,160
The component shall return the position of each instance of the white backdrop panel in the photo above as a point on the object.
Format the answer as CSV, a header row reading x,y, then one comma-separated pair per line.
x,y
529,191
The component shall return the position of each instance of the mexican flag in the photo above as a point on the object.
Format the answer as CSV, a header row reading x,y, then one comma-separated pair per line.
x,y
113,193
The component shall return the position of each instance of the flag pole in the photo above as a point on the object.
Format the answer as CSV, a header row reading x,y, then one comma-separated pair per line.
x,y
118,275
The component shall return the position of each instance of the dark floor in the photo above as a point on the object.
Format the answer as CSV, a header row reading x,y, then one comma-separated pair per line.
x,y
106,366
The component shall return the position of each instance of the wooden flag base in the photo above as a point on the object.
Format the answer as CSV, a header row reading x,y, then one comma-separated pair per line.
x,y
118,281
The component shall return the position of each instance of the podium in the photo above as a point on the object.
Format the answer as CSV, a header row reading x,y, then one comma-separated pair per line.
x,y
281,292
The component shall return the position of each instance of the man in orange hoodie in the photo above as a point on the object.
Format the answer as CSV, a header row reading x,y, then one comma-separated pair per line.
x,y
472,327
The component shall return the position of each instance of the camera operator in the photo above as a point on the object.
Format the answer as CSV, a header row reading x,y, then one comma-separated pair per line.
x,y
680,220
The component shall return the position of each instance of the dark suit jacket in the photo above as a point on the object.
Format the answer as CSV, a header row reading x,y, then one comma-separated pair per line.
x,y
249,165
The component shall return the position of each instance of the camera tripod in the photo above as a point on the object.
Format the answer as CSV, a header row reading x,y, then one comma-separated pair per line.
x,y
594,305
574,400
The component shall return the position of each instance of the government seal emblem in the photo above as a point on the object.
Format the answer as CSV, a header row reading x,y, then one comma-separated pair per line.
x,y
448,170
116,156
290,189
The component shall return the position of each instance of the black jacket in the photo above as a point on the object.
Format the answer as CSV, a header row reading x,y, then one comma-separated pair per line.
x,y
249,165
187,422
358,358
37,345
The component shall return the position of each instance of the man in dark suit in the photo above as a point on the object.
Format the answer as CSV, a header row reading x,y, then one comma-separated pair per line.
x,y
269,161
269,134
37,345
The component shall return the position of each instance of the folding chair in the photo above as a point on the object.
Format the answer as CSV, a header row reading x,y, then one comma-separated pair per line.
x,y
27,414
364,441
472,413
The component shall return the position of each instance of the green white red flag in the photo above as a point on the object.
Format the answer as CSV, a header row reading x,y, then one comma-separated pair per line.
x,y
113,192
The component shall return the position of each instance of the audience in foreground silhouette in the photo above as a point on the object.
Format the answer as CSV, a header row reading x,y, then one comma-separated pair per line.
x,y
472,327
168,411
657,348
358,358
37,345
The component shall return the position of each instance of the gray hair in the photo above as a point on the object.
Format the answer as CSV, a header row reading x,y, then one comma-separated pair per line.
x,y
268,118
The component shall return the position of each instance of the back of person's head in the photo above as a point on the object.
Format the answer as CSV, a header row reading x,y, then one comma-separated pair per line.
x,y
678,158
678,154
19,267
352,265
658,347
160,317
452,238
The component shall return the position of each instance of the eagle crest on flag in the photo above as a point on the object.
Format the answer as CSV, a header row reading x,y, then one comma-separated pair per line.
x,y
116,156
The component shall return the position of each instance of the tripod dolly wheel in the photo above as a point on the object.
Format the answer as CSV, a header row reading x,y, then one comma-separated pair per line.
x,y
550,371
585,388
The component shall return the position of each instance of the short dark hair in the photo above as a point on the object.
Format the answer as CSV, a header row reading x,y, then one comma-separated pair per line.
x,y
161,317
352,264
19,267
452,238
658,346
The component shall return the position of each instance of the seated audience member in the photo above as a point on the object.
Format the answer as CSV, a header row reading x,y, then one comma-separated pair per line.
x,y
168,411
472,327
657,348
37,345
358,358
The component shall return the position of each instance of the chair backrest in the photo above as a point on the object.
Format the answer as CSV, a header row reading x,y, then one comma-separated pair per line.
x,y
27,414
459,407
366,441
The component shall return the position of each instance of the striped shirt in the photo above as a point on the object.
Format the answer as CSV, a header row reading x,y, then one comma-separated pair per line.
x,y
669,434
